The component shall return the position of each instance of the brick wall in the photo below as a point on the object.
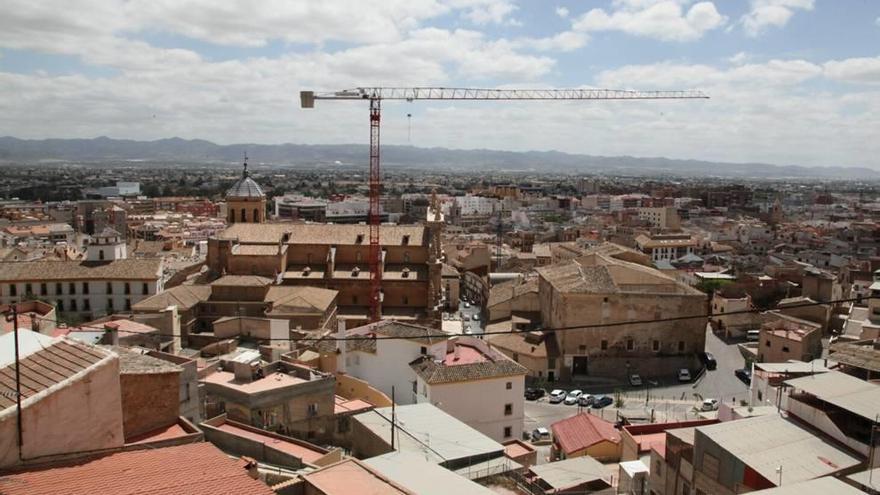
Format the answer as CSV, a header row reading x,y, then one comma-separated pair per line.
x,y
149,401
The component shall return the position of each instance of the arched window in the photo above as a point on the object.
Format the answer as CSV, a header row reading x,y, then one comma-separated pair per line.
x,y
243,215
256,215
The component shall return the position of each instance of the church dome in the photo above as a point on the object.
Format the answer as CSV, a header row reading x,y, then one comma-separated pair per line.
x,y
245,187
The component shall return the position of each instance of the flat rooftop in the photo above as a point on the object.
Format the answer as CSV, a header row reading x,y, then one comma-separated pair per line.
x,y
272,381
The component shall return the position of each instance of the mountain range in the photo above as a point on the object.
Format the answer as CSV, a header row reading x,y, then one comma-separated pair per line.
x,y
200,151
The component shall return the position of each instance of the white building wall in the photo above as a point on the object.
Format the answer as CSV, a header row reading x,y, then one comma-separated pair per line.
x,y
480,404
389,366
98,297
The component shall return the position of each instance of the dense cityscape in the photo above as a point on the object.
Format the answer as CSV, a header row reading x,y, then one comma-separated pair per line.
x,y
487,267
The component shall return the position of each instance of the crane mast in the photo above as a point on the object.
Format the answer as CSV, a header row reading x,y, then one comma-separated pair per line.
x,y
375,95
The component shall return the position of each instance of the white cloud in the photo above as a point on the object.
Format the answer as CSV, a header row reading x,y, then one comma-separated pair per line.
x,y
877,21
664,20
854,70
739,58
765,14
565,41
482,12
562,12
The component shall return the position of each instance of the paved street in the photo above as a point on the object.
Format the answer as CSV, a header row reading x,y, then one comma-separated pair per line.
x,y
669,401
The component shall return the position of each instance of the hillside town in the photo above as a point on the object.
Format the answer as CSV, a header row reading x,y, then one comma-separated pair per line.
x,y
585,334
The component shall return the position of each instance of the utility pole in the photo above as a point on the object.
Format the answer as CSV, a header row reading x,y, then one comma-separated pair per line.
x,y
393,417
12,315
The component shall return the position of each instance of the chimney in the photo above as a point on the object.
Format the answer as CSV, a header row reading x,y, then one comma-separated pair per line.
x,y
341,351
171,324
251,466
112,329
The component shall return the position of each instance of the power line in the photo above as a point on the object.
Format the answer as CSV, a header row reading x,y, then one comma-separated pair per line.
x,y
440,334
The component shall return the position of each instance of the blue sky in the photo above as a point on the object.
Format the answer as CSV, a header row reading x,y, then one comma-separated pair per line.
x,y
792,81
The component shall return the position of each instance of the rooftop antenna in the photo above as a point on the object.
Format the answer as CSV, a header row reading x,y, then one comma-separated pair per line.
x,y
245,173
409,128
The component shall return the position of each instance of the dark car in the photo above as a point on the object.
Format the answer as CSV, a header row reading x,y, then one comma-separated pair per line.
x,y
602,401
745,375
708,360
534,393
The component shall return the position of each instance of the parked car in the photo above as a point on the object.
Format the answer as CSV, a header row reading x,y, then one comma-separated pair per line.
x,y
467,304
709,405
635,380
465,318
745,375
753,335
476,317
572,397
586,400
540,433
534,393
684,375
557,396
602,401
708,360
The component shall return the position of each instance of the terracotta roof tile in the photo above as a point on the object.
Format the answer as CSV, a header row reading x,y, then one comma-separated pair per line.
x,y
49,271
194,469
582,431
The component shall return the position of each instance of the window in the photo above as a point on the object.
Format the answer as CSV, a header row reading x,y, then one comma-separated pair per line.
x,y
87,304
243,215
60,306
13,290
405,300
655,345
582,348
128,304
354,299
604,345
127,288
28,289
73,304
71,288
110,304
767,343
508,432
256,215
58,288
313,408
604,299
423,350
101,255
508,385
109,287
145,288
630,344
785,348
680,346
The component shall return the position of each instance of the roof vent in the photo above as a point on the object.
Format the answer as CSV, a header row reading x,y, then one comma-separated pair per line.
x,y
404,273
306,271
355,271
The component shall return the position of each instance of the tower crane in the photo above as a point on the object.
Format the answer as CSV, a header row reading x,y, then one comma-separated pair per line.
x,y
375,95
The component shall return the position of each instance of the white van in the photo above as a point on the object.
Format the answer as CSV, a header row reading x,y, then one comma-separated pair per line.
x,y
753,335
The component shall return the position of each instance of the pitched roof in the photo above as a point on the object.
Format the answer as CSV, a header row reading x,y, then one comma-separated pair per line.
x,y
286,298
132,362
844,391
182,296
50,271
195,469
326,234
242,281
352,476
49,363
488,365
601,274
571,473
506,291
398,329
765,442
855,355
582,431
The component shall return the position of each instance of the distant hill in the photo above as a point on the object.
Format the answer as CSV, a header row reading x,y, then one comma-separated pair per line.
x,y
200,151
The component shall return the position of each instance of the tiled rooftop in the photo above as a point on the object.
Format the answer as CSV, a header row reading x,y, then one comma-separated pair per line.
x,y
193,469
